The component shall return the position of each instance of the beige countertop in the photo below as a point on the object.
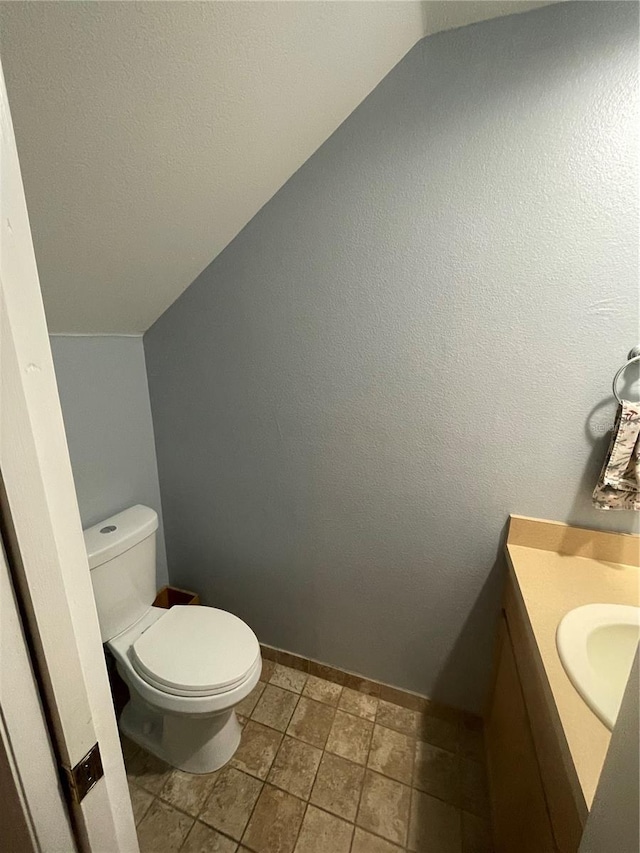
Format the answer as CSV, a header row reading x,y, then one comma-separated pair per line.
x,y
555,568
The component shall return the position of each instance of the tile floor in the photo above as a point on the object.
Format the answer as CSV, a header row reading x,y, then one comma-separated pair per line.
x,y
321,769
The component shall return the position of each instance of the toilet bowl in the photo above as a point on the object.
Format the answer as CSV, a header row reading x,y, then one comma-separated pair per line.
x,y
186,668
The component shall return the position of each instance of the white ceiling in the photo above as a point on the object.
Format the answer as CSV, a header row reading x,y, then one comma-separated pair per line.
x,y
150,133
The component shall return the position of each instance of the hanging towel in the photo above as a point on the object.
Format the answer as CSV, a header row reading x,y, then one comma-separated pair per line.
x,y
619,483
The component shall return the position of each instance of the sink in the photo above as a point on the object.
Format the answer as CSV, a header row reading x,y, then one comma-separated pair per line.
x,y
597,644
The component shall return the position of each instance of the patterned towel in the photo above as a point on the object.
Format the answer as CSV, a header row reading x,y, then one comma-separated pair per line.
x,y
619,483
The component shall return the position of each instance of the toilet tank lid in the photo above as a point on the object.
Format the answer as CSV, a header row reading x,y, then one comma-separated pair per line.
x,y
115,535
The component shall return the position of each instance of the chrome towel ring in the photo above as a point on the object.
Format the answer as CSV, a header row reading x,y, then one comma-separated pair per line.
x,y
632,358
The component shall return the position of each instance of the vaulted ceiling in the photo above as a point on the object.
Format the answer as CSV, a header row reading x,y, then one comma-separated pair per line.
x,y
149,133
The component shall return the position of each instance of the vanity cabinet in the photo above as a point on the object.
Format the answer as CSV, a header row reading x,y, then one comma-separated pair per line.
x,y
519,810
533,806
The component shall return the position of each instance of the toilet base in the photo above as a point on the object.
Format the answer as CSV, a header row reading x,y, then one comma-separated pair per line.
x,y
194,744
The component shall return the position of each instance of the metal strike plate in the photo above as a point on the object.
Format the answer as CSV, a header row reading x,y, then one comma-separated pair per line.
x,y
85,774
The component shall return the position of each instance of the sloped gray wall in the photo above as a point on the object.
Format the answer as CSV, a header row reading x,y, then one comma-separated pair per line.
x,y
412,339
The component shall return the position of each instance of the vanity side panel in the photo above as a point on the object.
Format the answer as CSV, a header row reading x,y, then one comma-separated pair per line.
x,y
519,810
567,817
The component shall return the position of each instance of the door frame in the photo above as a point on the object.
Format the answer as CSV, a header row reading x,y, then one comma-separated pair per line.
x,y
35,815
43,532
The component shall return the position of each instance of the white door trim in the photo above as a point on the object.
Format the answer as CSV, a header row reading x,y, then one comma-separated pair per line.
x,y
48,558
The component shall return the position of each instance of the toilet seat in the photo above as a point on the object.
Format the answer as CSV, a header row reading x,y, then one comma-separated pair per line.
x,y
195,651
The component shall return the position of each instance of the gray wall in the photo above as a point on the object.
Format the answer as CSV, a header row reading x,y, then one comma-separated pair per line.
x,y
103,389
415,337
613,818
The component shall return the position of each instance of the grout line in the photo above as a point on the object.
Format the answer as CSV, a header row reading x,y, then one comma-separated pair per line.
x,y
427,705
139,821
315,775
301,799
413,788
244,831
414,739
355,819
185,839
304,814
364,779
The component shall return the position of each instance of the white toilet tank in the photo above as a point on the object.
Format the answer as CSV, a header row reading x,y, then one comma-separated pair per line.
x,y
122,559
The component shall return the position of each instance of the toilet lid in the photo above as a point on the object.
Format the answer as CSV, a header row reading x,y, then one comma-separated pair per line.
x,y
196,650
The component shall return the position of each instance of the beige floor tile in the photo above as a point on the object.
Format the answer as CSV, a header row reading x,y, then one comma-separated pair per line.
x,y
129,749
476,834
434,825
322,690
311,722
384,807
475,789
322,832
275,707
231,802
391,754
359,704
437,772
350,737
163,829
267,669
288,678
187,791
148,772
244,708
295,767
364,842
337,786
395,717
439,732
203,839
258,747
275,822
140,801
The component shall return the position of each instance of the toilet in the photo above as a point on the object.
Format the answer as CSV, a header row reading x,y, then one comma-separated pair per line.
x,y
186,668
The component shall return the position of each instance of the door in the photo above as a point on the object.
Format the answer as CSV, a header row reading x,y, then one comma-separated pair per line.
x,y
34,812
43,535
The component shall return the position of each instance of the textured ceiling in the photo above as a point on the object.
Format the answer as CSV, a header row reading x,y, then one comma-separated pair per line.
x,y
150,133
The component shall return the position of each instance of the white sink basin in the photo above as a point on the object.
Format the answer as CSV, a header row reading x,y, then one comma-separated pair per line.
x,y
597,644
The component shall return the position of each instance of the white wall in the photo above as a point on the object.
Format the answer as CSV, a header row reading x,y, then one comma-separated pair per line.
x,y
204,110
103,389
415,337
150,133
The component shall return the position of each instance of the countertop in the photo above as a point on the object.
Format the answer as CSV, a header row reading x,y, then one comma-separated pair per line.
x,y
555,568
